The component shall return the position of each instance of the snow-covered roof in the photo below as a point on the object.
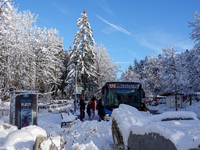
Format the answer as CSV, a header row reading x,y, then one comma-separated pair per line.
x,y
172,92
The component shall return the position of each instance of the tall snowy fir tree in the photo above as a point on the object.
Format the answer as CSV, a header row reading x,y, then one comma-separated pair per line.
x,y
130,75
82,53
64,73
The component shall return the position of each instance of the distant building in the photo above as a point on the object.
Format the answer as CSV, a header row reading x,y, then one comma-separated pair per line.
x,y
170,99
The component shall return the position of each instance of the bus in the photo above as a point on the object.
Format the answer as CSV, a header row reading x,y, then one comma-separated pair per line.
x,y
116,93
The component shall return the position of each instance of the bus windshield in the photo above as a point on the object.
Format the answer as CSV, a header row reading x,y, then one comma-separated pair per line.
x,y
127,93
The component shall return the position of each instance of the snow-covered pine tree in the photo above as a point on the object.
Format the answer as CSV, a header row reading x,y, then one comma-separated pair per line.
x,y
64,72
83,53
130,75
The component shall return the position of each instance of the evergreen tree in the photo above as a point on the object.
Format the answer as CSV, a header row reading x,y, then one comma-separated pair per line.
x,y
130,75
82,52
65,72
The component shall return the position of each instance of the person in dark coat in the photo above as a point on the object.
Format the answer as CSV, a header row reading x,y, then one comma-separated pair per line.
x,y
100,110
143,107
82,108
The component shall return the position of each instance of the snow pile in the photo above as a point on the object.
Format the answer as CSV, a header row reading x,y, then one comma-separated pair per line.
x,y
23,139
195,107
4,132
173,115
35,131
126,116
18,140
185,134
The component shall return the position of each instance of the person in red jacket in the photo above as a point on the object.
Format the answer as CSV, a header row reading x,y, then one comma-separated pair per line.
x,y
92,108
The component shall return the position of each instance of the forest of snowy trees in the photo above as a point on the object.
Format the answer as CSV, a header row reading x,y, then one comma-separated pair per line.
x,y
33,58
30,57
170,71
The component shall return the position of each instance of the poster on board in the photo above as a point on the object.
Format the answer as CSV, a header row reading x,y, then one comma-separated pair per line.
x,y
26,113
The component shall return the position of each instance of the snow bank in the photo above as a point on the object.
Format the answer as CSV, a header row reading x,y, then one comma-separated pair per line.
x,y
4,132
18,140
185,134
174,114
23,139
35,131
195,107
126,116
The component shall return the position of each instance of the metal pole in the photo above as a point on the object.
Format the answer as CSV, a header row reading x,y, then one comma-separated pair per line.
x,y
75,86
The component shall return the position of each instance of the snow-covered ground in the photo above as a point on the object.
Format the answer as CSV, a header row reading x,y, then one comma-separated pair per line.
x,y
195,107
84,135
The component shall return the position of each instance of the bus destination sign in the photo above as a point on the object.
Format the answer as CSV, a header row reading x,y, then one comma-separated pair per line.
x,y
122,86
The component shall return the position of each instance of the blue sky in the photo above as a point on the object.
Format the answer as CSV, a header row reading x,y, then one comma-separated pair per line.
x,y
129,29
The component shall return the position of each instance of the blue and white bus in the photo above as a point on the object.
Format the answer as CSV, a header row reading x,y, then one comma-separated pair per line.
x,y
116,93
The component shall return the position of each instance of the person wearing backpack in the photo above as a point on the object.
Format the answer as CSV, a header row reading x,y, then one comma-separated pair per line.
x,y
92,108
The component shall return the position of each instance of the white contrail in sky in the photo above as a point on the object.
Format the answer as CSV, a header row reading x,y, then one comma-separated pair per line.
x,y
115,26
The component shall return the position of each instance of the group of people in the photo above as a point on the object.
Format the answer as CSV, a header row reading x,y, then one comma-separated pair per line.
x,y
91,109
99,107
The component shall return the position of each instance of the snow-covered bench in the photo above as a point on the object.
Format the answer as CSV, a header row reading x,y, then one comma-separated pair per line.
x,y
67,118
177,130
